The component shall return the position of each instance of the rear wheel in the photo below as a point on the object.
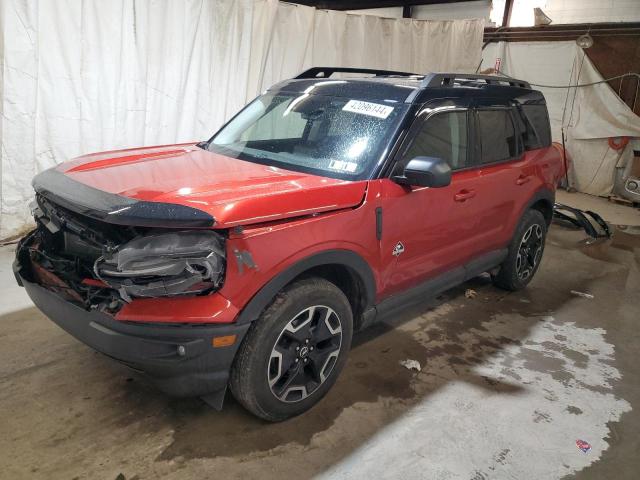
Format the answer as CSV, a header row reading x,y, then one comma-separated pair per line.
x,y
293,354
525,253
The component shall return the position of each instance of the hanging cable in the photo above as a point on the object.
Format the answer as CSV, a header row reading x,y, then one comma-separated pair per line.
x,y
575,92
562,125
630,74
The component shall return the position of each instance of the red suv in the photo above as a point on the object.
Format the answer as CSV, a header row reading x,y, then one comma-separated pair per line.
x,y
249,260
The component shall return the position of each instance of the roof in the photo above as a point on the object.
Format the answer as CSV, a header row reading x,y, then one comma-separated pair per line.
x,y
399,86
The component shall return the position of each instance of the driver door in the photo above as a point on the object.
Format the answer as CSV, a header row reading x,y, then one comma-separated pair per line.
x,y
428,231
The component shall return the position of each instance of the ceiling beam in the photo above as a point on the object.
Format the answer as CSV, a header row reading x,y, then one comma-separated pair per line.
x,y
506,17
560,32
362,4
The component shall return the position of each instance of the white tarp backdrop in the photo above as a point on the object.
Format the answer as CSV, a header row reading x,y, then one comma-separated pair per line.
x,y
79,76
592,114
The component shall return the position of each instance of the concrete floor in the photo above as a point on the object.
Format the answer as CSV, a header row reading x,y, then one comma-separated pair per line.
x,y
509,382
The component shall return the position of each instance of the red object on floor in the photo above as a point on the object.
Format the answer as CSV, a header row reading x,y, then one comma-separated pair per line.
x,y
582,445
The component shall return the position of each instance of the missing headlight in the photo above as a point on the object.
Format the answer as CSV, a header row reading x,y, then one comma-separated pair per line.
x,y
166,264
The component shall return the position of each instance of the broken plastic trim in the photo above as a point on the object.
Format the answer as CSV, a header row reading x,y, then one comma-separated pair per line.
x,y
580,220
167,264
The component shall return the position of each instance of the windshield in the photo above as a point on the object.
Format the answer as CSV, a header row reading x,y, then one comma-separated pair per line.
x,y
324,135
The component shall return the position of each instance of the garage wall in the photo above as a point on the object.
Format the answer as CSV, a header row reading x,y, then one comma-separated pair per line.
x,y
88,75
443,11
569,11
449,11
593,11
560,11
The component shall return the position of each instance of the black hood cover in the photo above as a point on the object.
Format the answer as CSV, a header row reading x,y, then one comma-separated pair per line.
x,y
59,189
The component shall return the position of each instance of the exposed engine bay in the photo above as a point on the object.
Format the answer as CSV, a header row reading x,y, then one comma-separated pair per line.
x,y
101,265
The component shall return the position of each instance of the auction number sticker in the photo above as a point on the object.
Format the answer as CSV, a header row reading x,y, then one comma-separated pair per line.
x,y
343,166
368,108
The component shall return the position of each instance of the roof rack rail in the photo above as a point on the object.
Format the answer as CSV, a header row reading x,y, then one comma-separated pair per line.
x,y
447,80
326,72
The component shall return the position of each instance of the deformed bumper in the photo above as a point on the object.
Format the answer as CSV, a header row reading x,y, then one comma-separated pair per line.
x,y
179,359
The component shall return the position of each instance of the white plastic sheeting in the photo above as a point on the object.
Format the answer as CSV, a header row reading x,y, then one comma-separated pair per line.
x,y
87,75
590,114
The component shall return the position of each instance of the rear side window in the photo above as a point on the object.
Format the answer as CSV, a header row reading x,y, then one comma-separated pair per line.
x,y
498,137
537,132
444,135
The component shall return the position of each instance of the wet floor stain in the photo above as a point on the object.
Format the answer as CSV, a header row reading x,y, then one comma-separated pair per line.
x,y
372,372
572,409
448,341
545,393
366,378
502,456
497,350
623,244
550,362
541,417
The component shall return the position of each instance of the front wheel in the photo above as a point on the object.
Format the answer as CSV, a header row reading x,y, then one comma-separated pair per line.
x,y
525,253
293,353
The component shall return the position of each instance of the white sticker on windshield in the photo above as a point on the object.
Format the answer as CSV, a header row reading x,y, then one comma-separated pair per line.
x,y
368,108
343,166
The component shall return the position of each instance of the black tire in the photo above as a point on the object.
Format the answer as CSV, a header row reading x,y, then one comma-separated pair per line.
x,y
268,359
522,261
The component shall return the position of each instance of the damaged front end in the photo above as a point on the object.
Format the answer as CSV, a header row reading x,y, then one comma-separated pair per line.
x,y
164,265
100,266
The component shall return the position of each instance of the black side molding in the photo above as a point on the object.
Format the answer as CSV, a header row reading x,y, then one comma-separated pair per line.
x,y
435,286
379,223
61,190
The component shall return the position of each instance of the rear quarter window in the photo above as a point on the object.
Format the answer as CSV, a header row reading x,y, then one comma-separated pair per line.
x,y
498,136
537,133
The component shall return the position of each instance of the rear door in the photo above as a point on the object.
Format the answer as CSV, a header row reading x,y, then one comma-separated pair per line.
x,y
503,175
504,166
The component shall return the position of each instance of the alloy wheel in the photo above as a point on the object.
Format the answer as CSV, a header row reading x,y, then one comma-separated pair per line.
x,y
304,353
529,251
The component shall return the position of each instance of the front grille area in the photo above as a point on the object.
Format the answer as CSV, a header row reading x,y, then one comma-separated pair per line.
x,y
61,252
100,266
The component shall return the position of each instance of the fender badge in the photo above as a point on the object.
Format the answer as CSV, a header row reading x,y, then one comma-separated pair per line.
x,y
398,249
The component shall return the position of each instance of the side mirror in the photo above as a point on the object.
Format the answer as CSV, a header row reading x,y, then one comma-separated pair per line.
x,y
425,172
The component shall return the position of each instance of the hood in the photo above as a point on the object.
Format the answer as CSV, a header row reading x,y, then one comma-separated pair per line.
x,y
233,192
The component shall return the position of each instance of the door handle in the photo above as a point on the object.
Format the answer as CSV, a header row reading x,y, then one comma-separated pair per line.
x,y
522,179
463,195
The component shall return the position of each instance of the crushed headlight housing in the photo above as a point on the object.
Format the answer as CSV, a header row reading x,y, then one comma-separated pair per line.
x,y
163,265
